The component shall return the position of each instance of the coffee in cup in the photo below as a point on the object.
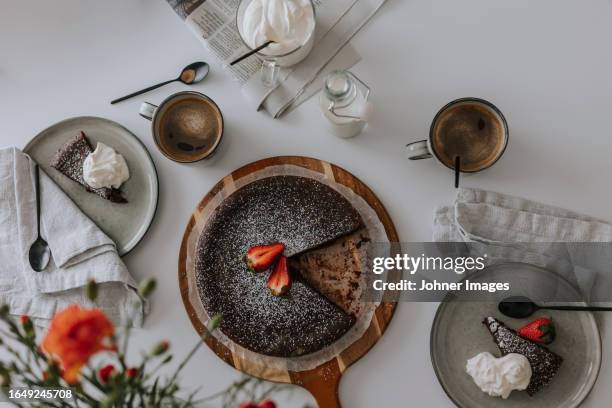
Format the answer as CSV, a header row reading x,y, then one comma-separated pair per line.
x,y
187,126
470,128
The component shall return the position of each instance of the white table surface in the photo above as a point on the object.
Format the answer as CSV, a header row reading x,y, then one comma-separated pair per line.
x,y
546,64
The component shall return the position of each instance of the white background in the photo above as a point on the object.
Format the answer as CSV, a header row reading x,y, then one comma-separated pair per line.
x,y
546,64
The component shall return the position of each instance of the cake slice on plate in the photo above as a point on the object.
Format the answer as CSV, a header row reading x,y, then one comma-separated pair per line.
x,y
69,161
544,363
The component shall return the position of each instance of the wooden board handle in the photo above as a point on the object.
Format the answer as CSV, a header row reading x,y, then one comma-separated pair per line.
x,y
322,383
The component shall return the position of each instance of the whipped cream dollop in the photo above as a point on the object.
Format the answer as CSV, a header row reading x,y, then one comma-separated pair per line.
x,y
498,377
105,168
289,23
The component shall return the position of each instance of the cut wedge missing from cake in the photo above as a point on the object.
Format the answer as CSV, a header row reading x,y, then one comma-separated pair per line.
x,y
303,214
335,270
544,363
69,161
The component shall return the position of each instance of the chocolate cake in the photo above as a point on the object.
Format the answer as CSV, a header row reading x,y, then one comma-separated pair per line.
x,y
544,363
69,161
303,214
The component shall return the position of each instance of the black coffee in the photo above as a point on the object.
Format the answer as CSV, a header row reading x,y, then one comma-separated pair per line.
x,y
471,130
190,128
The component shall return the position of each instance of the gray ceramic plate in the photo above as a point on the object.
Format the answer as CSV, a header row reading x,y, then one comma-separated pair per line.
x,y
457,334
125,224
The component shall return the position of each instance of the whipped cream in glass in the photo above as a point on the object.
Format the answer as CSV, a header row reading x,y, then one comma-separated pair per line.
x,y
498,377
289,23
105,168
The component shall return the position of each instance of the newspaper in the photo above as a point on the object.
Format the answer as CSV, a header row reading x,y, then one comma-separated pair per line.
x,y
214,23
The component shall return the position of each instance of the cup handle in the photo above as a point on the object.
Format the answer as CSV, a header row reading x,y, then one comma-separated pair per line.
x,y
269,73
147,110
418,150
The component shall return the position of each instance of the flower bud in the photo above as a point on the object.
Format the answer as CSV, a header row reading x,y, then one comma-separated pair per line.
x,y
4,311
147,287
27,325
53,369
91,290
5,379
267,404
106,373
215,322
131,372
160,348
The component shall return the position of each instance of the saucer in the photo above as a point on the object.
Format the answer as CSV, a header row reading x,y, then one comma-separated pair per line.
x,y
457,335
126,224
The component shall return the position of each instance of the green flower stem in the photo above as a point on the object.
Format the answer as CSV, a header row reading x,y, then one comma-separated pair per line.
x,y
215,322
162,363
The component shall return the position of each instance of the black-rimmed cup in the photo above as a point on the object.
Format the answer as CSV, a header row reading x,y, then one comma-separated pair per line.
x,y
471,128
187,126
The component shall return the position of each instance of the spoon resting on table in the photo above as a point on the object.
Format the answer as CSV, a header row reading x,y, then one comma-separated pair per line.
x,y
520,307
191,74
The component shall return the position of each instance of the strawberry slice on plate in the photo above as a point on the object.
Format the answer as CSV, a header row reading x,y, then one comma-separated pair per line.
x,y
541,330
279,280
261,257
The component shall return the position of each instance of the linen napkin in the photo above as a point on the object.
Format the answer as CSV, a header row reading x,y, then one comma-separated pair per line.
x,y
510,228
486,216
80,251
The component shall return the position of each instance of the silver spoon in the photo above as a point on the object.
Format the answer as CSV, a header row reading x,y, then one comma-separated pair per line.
x,y
520,307
191,74
40,253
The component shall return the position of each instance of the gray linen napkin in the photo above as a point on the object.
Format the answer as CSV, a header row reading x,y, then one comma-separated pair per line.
x,y
486,216
510,228
80,251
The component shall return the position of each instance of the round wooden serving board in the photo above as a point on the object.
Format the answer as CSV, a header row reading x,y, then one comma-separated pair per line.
x,y
322,381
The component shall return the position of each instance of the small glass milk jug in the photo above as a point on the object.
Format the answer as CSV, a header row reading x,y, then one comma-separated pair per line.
x,y
344,102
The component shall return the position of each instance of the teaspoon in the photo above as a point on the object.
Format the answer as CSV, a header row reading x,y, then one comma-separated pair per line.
x,y
520,307
40,253
191,74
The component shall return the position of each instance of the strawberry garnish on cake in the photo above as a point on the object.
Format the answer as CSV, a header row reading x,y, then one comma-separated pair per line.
x,y
544,363
541,330
261,257
279,280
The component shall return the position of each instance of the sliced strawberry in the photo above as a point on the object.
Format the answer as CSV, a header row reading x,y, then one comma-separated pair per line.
x,y
279,280
260,257
541,330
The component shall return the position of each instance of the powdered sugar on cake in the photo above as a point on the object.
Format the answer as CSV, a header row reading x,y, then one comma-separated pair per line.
x,y
303,214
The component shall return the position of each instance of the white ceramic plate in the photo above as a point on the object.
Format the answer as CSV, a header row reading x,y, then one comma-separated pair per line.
x,y
457,334
126,224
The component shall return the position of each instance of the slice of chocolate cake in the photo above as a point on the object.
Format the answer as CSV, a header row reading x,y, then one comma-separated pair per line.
x,y
69,161
544,363
303,214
